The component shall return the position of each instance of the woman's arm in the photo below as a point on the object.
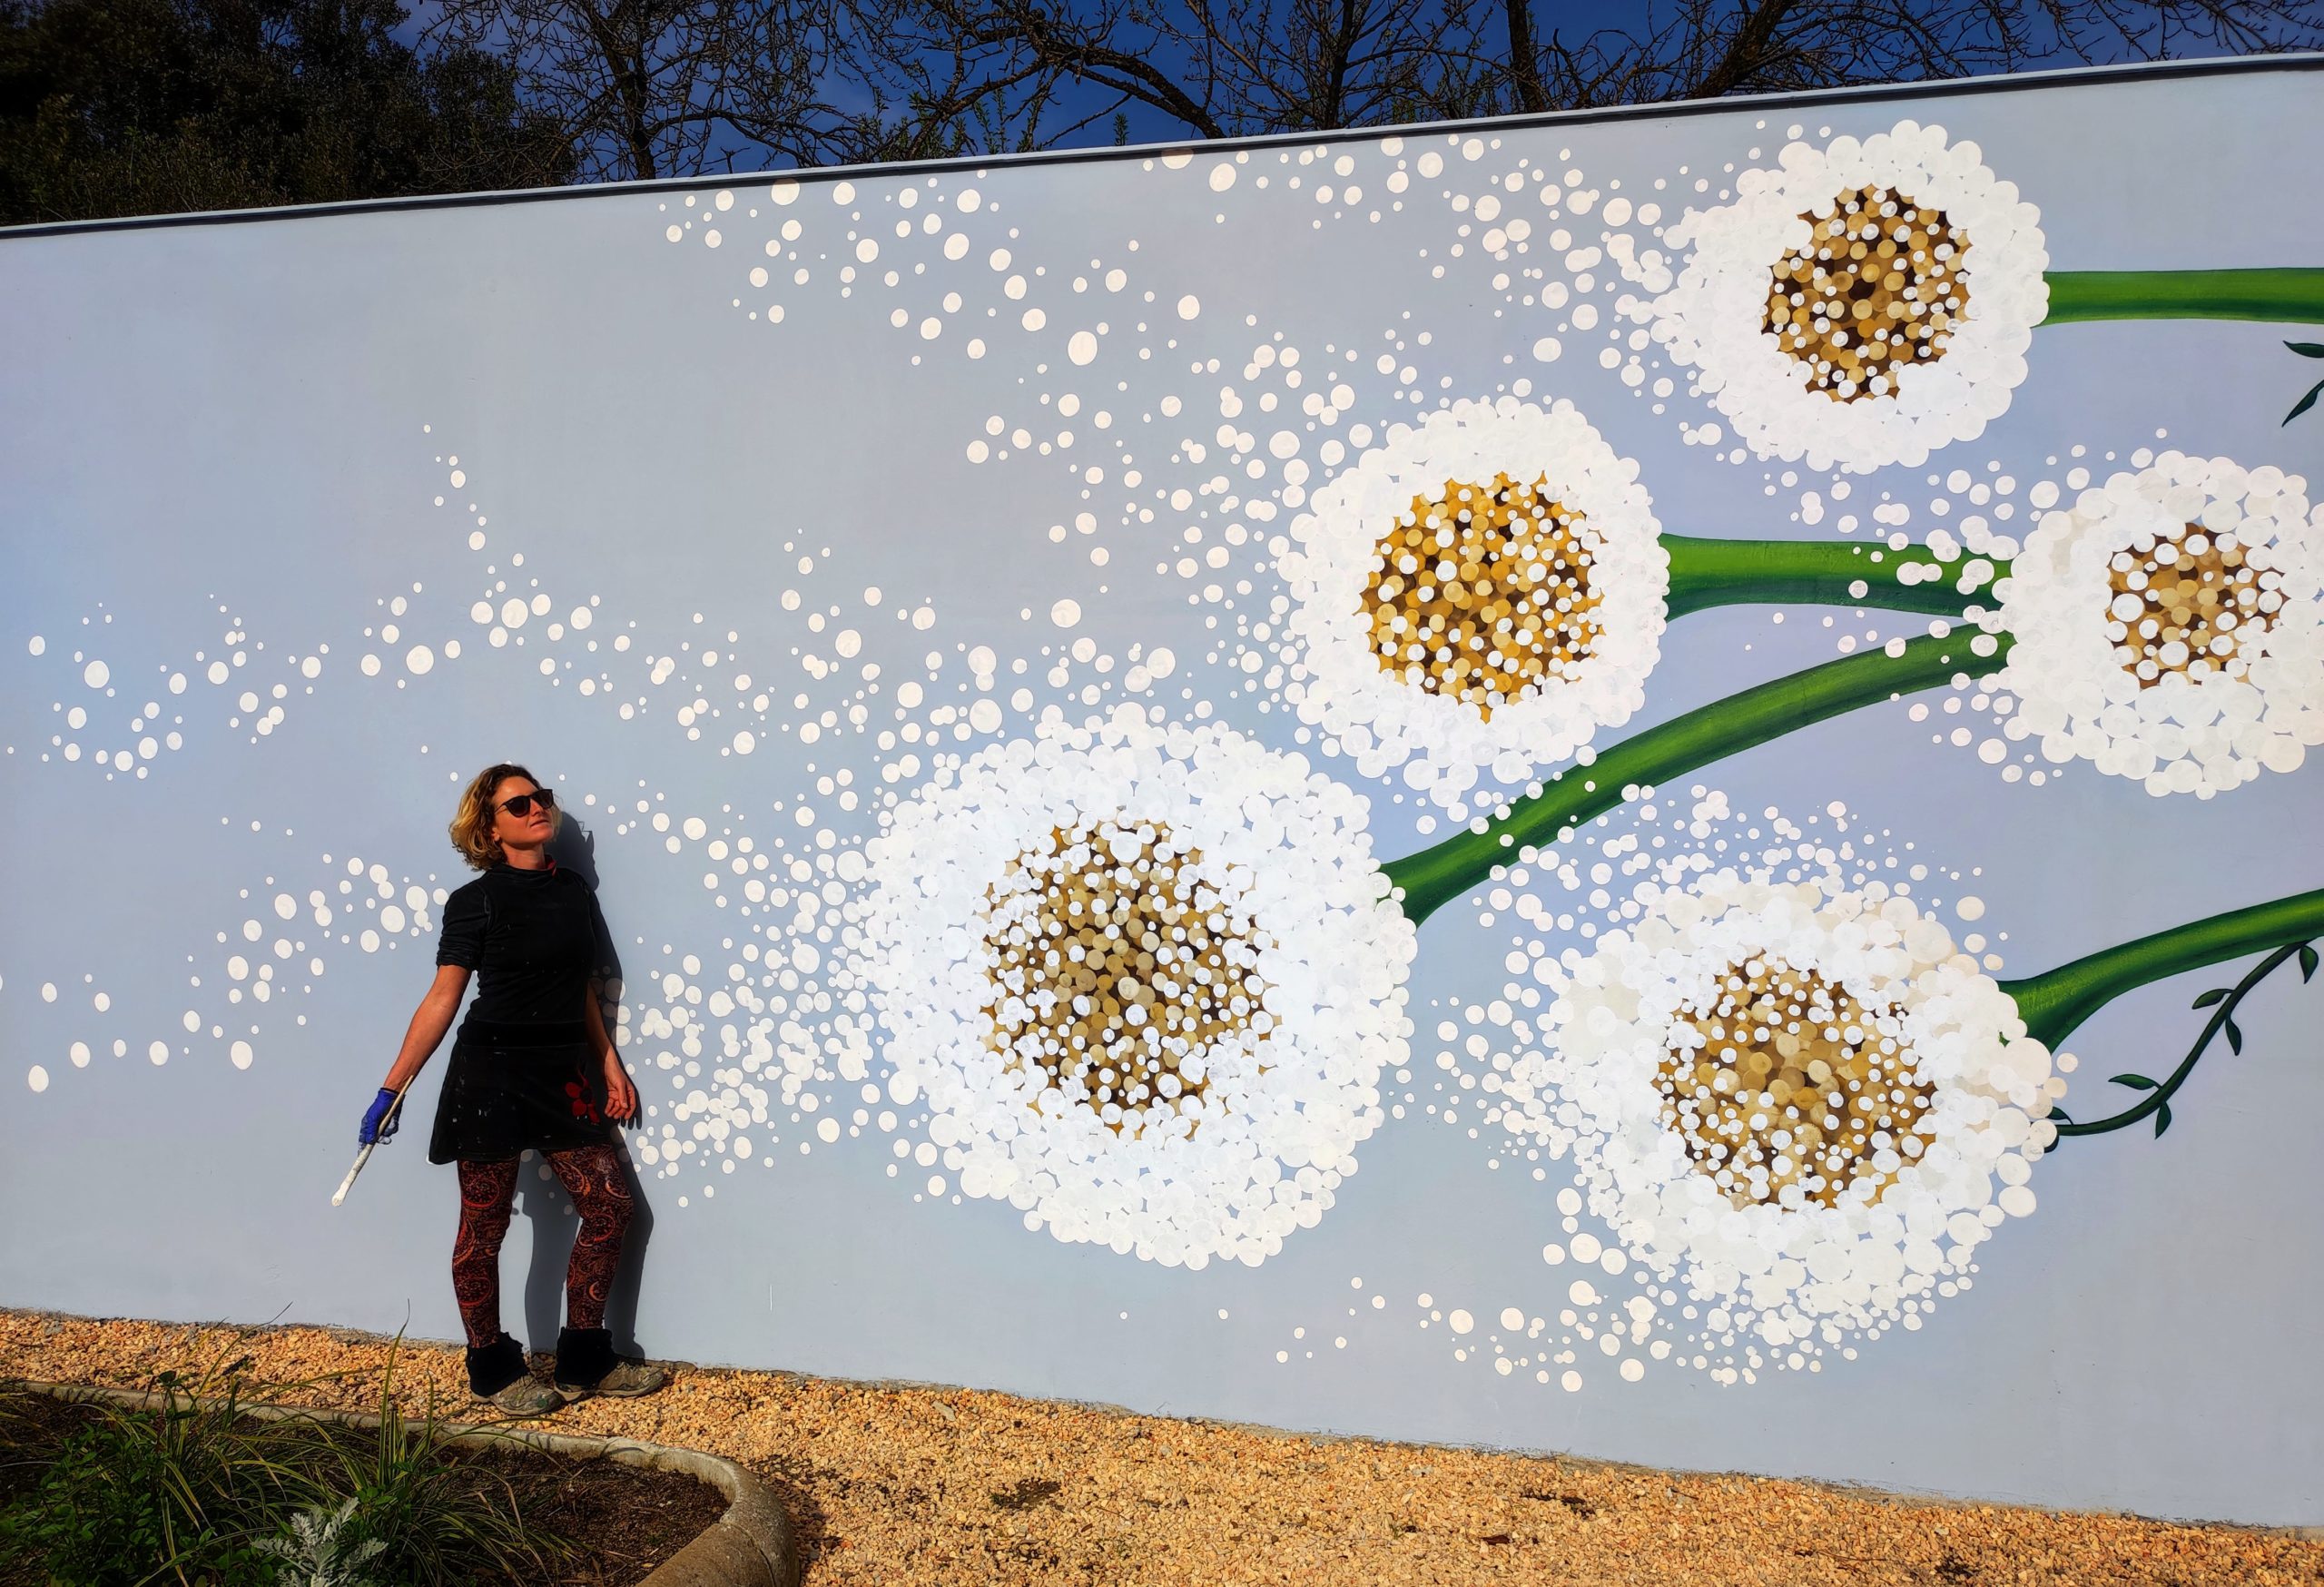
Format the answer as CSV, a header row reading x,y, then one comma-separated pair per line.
x,y
428,1023
621,1097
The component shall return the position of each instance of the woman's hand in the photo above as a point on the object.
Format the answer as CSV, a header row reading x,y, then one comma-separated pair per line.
x,y
621,1097
377,1125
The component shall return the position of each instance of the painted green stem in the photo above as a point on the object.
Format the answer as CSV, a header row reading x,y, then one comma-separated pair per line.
x,y
2292,294
2055,1004
1824,573
1438,874
2222,1002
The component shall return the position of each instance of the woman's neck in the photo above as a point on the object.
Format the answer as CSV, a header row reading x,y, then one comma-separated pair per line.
x,y
536,859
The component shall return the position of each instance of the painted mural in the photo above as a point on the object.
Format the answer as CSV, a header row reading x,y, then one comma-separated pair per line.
x,y
1695,697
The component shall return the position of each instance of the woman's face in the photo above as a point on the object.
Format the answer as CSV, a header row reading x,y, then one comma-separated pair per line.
x,y
512,831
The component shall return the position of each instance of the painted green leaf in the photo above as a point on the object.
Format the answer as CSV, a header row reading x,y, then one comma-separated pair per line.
x,y
2307,960
2060,1116
2234,1037
2137,1082
2161,1121
2307,349
2210,997
2305,403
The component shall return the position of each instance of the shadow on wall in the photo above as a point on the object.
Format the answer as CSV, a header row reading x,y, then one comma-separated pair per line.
x,y
542,1201
555,1225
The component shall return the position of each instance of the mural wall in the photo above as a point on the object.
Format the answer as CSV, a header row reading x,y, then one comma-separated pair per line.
x,y
1635,786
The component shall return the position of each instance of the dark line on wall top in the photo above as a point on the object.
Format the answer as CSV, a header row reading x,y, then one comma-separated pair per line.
x,y
1959,87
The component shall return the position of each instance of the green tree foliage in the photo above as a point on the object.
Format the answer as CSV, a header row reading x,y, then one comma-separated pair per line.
x,y
121,107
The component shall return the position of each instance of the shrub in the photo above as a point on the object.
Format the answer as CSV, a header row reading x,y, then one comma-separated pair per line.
x,y
318,1553
173,1495
198,1493
440,1520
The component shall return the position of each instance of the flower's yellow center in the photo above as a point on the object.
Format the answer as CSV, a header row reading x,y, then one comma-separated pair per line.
x,y
1876,290
1483,593
2187,604
1794,1084
1115,965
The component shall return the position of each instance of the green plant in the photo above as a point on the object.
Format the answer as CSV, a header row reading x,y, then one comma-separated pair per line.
x,y
176,1494
197,1492
438,1520
317,1553
98,1500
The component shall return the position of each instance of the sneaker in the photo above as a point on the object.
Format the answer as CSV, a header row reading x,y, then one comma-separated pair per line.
x,y
629,1378
498,1374
587,1365
528,1396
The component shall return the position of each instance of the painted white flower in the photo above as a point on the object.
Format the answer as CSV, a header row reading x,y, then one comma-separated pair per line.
x,y
1797,1099
2170,626
1860,304
1478,595
1145,980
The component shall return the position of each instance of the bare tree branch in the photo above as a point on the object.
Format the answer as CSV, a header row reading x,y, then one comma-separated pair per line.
x,y
649,87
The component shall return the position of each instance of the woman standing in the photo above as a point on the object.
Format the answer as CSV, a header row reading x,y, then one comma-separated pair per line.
x,y
532,1070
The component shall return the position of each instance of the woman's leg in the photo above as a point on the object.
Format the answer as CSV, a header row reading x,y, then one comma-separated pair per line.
x,y
488,1192
593,1176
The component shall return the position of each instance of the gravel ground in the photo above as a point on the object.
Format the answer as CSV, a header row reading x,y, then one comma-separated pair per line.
x,y
888,1486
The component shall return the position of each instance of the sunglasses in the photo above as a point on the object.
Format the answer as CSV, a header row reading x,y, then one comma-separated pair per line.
x,y
522,803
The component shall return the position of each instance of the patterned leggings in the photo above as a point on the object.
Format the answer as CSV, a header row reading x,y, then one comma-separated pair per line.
x,y
592,1176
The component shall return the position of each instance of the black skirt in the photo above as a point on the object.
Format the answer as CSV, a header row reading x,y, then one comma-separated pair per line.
x,y
512,1088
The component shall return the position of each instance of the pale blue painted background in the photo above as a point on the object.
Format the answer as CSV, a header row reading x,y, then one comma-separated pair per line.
x,y
236,408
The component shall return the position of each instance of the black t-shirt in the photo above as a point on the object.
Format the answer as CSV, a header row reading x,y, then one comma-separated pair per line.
x,y
533,938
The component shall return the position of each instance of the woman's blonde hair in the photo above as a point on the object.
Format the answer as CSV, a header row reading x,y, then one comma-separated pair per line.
x,y
471,826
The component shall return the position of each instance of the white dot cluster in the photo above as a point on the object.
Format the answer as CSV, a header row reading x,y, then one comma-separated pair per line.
x,y
154,730
2258,710
1281,1113
1789,1270
269,961
768,1050
1714,317
1445,745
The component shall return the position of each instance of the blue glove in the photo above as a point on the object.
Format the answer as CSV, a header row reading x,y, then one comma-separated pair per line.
x,y
371,1134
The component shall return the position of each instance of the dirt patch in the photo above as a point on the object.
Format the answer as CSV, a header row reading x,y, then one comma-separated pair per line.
x,y
626,1519
895,1486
